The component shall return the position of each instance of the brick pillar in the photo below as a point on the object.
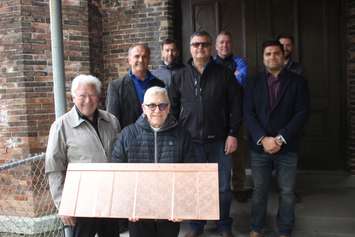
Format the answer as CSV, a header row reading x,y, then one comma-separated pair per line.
x,y
350,24
26,97
130,21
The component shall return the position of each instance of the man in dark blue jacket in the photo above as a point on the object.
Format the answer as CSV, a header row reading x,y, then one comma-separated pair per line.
x,y
239,67
276,108
155,137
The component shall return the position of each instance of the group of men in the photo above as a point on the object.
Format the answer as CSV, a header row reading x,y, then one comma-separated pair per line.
x,y
199,108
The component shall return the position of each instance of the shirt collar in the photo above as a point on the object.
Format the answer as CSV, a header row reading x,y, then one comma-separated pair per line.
x,y
148,76
77,118
228,58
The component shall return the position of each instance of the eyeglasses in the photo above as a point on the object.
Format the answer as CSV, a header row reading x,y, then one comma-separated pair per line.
x,y
161,106
202,44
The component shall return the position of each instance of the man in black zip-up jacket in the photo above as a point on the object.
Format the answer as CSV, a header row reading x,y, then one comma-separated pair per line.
x,y
155,137
206,99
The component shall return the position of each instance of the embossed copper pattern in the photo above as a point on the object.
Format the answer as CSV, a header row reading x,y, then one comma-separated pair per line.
x,y
150,191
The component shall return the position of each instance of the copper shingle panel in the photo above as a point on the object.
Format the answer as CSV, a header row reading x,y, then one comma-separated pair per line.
x,y
151,191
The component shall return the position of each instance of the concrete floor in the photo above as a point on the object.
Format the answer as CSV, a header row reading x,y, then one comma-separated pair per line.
x,y
327,209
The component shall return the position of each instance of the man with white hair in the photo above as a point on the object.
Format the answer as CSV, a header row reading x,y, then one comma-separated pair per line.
x,y
155,137
85,134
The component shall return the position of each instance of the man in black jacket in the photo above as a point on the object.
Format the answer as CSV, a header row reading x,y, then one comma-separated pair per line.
x,y
276,108
206,99
170,61
125,96
155,137
287,42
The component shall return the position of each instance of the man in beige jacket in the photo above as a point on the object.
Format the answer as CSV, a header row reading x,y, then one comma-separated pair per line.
x,y
85,134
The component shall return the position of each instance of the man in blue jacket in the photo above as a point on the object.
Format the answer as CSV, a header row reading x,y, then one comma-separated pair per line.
x,y
239,68
276,108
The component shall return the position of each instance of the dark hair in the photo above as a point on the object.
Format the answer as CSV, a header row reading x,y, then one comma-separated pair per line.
x,y
168,41
227,33
272,43
285,36
201,33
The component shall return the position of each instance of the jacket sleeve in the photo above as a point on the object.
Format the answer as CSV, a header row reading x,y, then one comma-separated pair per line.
x,y
56,162
119,154
242,67
234,104
112,99
56,183
255,129
188,149
301,112
174,96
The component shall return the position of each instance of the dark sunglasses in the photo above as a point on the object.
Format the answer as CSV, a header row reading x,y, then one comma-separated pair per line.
x,y
202,44
161,106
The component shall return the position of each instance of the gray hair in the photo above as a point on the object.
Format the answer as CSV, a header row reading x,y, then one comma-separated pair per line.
x,y
146,48
85,80
156,90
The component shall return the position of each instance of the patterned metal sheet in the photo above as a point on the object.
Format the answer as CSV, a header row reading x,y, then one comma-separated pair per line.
x,y
150,191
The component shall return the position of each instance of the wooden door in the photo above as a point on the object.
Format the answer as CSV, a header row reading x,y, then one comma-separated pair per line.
x,y
315,24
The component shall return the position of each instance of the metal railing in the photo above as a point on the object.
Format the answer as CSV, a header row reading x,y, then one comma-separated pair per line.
x,y
26,207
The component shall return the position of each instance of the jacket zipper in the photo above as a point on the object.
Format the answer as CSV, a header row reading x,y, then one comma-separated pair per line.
x,y
155,147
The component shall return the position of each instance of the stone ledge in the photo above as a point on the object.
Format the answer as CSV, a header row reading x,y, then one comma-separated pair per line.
x,y
29,225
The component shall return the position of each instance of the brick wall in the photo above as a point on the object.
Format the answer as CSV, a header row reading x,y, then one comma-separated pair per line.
x,y
130,21
26,98
97,44
350,24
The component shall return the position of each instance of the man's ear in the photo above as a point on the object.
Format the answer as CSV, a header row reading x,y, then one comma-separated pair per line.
x,y
143,109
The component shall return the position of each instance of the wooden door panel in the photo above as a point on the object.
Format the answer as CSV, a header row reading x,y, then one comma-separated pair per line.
x,y
315,27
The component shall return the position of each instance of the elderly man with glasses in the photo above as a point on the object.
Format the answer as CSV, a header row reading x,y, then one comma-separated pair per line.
x,y
206,99
155,137
85,134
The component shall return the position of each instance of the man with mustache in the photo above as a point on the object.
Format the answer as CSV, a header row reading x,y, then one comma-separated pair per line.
x,y
170,63
276,108
287,42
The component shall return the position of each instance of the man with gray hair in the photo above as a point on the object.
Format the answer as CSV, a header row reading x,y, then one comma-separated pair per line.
x,y
85,134
155,137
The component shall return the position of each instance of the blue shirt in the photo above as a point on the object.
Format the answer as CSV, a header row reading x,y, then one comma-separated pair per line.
x,y
139,85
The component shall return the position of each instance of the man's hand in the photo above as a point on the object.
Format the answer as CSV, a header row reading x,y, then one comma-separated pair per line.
x,y
270,145
133,219
236,73
175,220
231,145
68,220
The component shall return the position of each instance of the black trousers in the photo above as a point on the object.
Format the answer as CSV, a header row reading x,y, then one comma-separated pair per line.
x,y
88,227
154,228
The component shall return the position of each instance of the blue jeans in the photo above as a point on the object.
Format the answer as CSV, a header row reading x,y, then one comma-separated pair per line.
x,y
285,166
214,153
